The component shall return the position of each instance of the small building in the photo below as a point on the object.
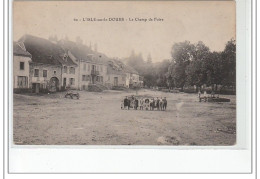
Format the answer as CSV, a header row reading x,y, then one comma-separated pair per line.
x,y
51,68
21,60
132,77
92,69
116,75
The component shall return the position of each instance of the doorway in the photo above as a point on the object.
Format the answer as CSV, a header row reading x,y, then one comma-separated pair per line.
x,y
115,81
36,87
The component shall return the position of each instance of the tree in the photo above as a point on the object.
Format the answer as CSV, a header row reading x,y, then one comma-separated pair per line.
x,y
182,54
228,58
196,71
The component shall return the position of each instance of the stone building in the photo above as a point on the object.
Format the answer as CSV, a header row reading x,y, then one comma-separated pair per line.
x,y
92,69
21,60
51,68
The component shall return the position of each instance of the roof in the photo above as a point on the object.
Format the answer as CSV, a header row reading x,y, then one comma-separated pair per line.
x,y
46,52
19,50
130,69
118,67
83,52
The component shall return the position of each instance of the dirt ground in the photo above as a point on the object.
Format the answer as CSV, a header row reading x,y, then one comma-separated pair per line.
x,y
96,119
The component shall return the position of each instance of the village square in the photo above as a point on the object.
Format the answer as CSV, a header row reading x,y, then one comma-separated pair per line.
x,y
66,92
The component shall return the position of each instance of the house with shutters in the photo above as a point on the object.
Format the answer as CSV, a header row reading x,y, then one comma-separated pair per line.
x,y
21,60
51,68
92,68
116,73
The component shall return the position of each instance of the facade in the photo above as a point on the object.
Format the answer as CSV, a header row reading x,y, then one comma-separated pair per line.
x,y
132,78
91,72
51,68
92,69
44,77
21,60
48,66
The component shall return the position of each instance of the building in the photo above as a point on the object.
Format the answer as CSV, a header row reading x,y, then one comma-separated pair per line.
x,y
51,68
116,75
21,69
52,65
133,78
92,69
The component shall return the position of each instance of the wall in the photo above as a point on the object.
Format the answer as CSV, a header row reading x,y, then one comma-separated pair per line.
x,y
16,69
121,79
69,75
44,80
128,79
101,68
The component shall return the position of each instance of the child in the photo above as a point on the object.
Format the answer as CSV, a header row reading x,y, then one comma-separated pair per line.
x,y
141,104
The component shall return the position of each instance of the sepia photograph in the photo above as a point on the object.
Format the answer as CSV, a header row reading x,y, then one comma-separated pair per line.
x,y
159,73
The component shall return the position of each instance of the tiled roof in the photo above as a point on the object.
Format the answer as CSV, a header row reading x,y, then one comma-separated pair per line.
x,y
44,51
19,50
83,52
118,67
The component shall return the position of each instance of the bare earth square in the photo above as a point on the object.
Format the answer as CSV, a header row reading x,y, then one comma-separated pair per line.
x,y
96,119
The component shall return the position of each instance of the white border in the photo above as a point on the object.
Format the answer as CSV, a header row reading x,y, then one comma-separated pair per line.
x,y
93,159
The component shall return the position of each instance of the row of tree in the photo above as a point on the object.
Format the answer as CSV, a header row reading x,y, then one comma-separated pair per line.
x,y
191,64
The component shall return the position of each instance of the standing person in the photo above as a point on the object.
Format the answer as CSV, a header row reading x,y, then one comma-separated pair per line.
x,y
164,103
199,94
151,104
157,103
146,104
161,104
205,96
136,103
126,102
141,104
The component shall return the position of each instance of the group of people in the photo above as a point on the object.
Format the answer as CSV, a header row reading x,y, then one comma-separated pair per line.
x,y
206,96
159,104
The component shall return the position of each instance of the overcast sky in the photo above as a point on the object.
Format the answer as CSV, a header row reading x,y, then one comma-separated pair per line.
x,y
210,22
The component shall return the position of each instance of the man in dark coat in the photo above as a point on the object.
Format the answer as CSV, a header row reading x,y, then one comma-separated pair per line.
x,y
126,102
164,103
136,103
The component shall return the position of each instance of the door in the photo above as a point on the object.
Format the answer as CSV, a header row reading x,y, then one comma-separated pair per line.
x,y
36,87
64,82
22,82
54,84
115,81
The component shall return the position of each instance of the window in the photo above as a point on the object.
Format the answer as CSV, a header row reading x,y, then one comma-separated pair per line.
x,y
101,68
72,70
65,69
54,72
88,78
44,73
21,65
22,82
36,72
72,81
83,77
85,67
101,79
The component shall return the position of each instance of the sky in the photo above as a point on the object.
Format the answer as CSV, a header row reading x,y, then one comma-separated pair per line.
x,y
210,22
